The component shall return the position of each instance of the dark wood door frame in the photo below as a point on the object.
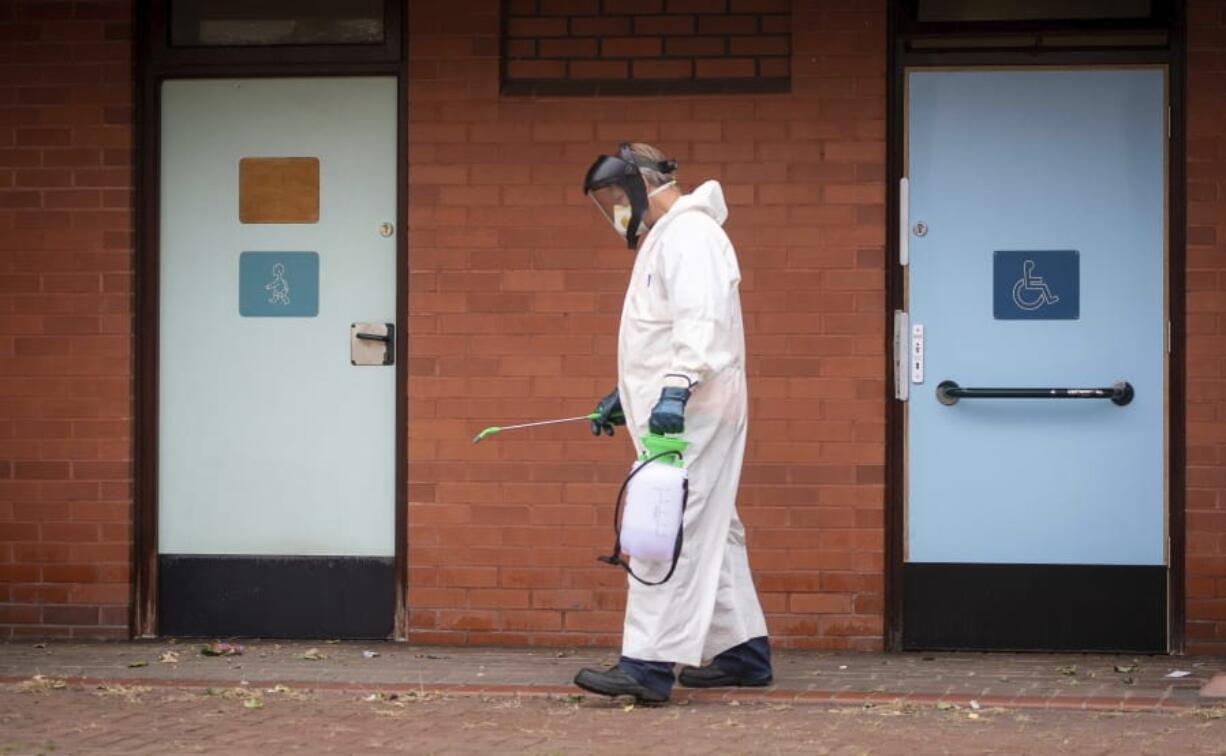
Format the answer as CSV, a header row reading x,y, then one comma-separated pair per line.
x,y
154,62
1168,19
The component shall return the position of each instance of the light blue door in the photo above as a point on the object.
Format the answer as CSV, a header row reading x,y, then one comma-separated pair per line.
x,y
276,448
1036,235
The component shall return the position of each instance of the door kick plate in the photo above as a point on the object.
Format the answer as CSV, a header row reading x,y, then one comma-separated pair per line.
x,y
372,343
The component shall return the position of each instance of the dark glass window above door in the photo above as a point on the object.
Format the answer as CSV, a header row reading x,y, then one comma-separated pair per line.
x,y
1029,10
261,23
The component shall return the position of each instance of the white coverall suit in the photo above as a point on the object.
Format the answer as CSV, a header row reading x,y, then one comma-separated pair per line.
x,y
682,315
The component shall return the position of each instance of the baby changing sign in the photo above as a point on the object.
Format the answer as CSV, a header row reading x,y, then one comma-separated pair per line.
x,y
278,284
1036,285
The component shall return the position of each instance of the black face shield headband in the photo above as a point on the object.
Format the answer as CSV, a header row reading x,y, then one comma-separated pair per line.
x,y
623,172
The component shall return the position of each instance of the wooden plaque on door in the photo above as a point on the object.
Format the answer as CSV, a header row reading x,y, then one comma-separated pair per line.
x,y
278,190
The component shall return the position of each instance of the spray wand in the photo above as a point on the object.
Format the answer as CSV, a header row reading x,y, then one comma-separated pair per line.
x,y
500,428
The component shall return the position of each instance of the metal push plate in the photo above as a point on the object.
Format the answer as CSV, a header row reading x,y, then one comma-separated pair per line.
x,y
372,343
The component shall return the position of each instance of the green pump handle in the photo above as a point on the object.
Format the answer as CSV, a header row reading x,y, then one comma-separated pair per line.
x,y
654,445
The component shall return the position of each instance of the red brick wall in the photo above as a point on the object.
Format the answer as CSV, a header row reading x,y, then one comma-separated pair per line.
x,y
1206,313
516,289
647,42
517,286
65,318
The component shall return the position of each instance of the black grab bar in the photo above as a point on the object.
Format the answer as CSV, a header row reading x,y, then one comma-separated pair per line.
x,y
949,392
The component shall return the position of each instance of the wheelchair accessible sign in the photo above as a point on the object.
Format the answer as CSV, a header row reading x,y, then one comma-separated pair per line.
x,y
1038,285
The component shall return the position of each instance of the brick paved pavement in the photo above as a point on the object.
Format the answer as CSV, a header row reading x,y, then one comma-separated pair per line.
x,y
248,719
88,699
1029,680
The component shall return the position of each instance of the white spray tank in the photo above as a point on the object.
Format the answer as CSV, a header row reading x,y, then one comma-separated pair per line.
x,y
655,501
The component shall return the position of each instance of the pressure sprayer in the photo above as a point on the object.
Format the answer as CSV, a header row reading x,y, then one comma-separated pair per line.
x,y
655,494
649,525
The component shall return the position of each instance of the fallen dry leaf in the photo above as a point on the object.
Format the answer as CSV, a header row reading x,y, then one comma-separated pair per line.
x,y
222,649
130,692
40,684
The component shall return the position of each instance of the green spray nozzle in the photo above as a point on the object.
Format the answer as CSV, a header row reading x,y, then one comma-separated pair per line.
x,y
487,432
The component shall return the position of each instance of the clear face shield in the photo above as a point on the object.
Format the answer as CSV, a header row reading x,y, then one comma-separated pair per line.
x,y
617,187
614,204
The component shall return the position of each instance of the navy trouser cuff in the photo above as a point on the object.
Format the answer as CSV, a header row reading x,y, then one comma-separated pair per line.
x,y
655,676
750,660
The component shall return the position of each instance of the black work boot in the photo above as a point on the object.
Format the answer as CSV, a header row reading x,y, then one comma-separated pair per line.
x,y
615,682
745,665
712,676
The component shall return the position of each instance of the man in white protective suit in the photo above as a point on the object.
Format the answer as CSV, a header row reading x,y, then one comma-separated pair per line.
x,y
681,369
